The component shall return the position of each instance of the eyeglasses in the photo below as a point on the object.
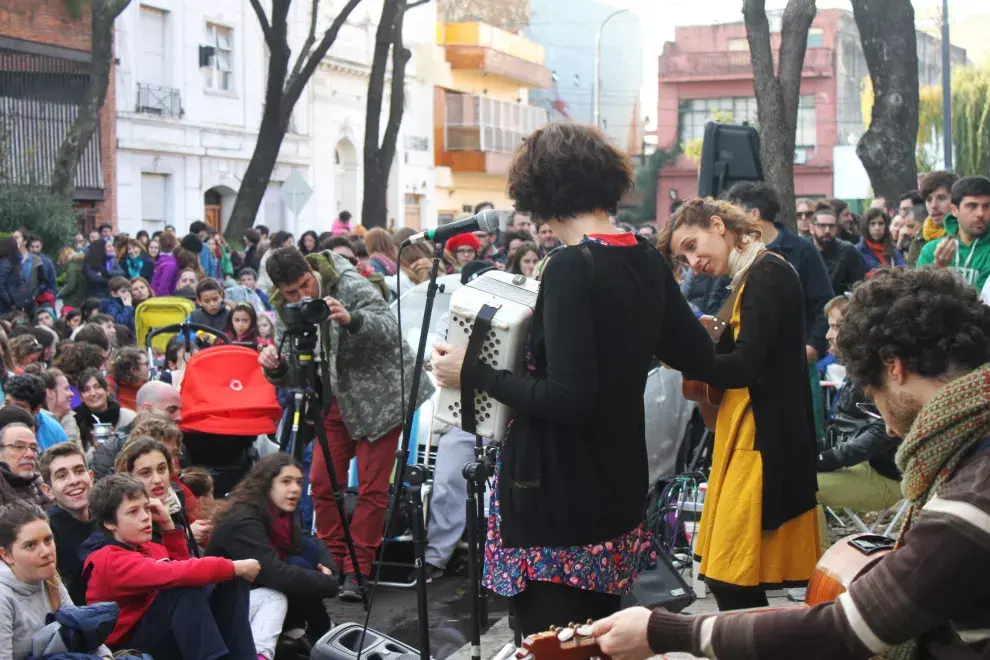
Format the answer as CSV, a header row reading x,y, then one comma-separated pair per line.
x,y
805,214
869,410
823,227
22,447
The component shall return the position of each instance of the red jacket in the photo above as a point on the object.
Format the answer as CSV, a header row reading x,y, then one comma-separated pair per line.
x,y
132,578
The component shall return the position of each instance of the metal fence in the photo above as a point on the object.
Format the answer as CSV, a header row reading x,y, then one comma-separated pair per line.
x,y
158,100
39,101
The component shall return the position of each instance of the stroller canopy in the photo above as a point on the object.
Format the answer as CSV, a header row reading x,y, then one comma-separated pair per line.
x,y
224,392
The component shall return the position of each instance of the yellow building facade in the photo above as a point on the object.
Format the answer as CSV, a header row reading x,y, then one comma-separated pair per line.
x,y
481,112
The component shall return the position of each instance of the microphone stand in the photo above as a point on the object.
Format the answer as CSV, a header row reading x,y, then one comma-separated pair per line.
x,y
416,474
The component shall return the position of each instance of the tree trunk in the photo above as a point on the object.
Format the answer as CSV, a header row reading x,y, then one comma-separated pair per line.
x,y
271,132
888,148
281,95
63,178
374,206
778,93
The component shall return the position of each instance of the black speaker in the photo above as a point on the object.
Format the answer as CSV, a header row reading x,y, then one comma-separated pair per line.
x,y
661,587
342,643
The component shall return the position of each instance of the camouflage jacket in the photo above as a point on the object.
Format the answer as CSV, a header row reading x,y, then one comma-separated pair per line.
x,y
363,358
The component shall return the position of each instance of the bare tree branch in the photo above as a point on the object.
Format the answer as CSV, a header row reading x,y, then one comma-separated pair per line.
x,y
310,40
266,28
296,83
417,3
116,8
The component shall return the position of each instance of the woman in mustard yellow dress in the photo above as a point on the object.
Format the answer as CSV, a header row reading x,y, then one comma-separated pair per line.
x,y
759,528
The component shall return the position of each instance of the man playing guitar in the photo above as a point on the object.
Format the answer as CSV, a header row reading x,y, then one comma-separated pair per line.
x,y
918,343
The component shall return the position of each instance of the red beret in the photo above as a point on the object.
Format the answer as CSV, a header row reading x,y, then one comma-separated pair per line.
x,y
464,240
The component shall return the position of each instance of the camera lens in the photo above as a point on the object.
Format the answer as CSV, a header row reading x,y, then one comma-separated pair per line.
x,y
315,311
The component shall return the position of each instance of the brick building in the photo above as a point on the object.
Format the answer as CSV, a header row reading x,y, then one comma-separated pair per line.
x,y
44,70
706,73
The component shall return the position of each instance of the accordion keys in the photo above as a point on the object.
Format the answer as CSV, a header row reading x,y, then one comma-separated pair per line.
x,y
503,347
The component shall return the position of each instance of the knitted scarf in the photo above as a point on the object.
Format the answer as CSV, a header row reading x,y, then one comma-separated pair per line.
x,y
879,251
956,420
930,231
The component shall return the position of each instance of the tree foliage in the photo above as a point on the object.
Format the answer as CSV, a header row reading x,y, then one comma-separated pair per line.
x,y
970,122
49,216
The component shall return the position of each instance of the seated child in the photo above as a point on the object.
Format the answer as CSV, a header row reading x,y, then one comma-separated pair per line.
x,y
171,606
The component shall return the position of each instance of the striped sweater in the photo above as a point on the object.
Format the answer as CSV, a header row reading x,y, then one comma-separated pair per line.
x,y
935,588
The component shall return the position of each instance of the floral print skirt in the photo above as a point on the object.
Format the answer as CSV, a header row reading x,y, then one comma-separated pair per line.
x,y
610,566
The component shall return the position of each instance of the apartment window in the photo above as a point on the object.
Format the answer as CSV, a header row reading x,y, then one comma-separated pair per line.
x,y
151,69
154,198
807,124
220,73
816,38
694,114
697,112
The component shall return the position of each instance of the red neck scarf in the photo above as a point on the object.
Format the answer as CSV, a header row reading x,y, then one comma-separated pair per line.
x,y
280,534
879,250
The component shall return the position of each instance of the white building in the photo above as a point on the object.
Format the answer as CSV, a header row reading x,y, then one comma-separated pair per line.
x,y
190,92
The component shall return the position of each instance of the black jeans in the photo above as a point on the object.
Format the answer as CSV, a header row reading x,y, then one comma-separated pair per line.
x,y
545,604
307,611
197,623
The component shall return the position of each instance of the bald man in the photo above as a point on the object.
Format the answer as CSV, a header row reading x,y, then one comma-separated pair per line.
x,y
19,476
153,395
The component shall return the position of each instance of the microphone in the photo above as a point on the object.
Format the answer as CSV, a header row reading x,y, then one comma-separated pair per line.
x,y
486,221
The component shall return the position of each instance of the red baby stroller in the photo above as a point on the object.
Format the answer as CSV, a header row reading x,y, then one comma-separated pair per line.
x,y
226,405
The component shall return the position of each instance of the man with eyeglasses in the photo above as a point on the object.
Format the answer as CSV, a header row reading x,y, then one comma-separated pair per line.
x,y
845,267
19,476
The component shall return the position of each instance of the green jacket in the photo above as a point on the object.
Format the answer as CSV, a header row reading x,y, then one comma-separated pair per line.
x,y
73,294
972,261
363,357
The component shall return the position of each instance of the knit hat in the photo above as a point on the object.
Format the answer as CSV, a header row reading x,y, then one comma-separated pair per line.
x,y
464,240
192,243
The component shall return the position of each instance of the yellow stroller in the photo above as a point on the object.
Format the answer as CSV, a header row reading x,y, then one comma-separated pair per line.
x,y
156,313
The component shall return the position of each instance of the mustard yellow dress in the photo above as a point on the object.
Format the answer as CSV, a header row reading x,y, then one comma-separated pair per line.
x,y
732,544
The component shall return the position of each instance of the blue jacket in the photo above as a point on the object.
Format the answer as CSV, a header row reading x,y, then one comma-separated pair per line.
x,y
50,432
804,256
121,313
871,260
50,282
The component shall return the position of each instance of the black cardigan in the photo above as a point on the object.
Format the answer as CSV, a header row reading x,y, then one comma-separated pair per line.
x,y
244,535
769,358
574,465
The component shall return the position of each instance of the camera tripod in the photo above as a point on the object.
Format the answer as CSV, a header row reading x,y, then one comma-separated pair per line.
x,y
477,473
306,403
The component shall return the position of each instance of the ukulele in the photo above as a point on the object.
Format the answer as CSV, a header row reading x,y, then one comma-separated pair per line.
x,y
845,561
572,642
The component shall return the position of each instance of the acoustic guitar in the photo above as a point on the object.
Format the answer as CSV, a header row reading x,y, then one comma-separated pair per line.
x,y
841,564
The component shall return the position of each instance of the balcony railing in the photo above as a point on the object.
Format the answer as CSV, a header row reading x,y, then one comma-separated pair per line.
x,y
158,100
478,123
817,62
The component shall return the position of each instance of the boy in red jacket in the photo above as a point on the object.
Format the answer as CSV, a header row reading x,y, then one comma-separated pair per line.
x,y
171,606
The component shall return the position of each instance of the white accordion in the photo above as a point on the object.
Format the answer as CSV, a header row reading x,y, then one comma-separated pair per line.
x,y
512,297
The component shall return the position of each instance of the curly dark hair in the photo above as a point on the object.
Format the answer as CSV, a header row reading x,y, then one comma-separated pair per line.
x,y
250,498
128,361
566,168
76,358
929,318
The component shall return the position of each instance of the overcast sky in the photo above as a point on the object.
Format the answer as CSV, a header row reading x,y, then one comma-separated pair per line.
x,y
659,17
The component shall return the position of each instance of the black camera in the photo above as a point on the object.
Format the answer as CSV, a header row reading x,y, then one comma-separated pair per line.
x,y
301,317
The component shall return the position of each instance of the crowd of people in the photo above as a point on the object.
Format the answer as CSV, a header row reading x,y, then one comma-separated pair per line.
x,y
98,487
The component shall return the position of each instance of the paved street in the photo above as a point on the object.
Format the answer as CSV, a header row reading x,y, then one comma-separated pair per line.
x,y
394,613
